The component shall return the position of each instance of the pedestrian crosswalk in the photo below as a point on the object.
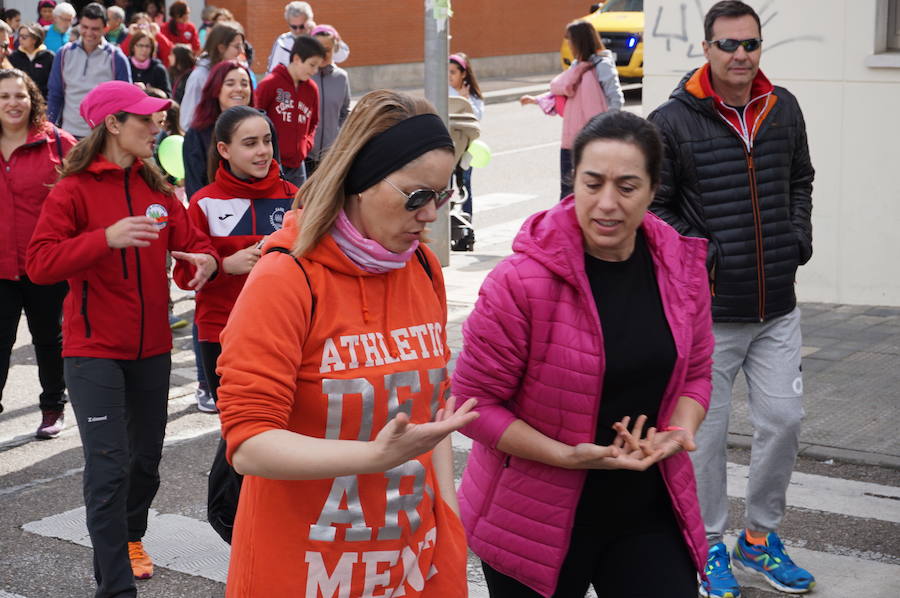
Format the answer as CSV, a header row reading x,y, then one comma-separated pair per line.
x,y
190,546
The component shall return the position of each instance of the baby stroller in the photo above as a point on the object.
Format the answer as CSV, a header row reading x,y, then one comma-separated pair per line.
x,y
464,128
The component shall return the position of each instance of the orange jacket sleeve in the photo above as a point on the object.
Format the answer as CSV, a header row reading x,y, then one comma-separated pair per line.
x,y
262,350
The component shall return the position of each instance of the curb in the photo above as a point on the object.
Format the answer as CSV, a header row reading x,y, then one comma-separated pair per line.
x,y
498,96
821,452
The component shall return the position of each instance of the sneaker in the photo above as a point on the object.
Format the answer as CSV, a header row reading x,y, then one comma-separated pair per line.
x,y
773,563
141,563
720,581
205,401
52,424
176,322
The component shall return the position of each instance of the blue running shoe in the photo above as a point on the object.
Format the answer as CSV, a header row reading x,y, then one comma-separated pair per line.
x,y
773,563
720,581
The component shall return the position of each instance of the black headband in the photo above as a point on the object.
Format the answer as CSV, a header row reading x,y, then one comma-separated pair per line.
x,y
396,147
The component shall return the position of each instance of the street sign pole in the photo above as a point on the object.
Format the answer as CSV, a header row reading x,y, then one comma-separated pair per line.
x,y
437,25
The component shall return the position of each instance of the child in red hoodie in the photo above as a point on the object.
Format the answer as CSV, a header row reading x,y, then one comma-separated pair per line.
x,y
291,99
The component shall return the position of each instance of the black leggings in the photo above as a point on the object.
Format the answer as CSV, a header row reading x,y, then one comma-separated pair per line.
x,y
209,356
645,565
43,311
121,407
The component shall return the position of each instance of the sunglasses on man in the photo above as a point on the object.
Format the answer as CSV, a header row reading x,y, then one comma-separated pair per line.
x,y
298,27
420,197
731,45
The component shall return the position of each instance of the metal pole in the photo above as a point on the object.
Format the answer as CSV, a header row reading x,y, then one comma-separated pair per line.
x,y
437,24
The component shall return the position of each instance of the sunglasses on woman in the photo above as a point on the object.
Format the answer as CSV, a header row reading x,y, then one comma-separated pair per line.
x,y
731,45
420,197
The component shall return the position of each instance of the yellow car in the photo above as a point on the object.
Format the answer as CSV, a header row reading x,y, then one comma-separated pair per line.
x,y
620,24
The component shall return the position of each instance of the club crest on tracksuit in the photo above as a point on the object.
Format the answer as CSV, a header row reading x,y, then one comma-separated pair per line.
x,y
159,214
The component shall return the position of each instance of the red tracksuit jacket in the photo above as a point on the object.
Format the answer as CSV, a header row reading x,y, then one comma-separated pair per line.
x,y
25,181
235,214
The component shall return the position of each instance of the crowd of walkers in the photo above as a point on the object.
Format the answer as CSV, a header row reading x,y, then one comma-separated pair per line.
x,y
596,373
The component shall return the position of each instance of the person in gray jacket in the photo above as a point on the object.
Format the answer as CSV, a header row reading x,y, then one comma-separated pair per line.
x,y
334,97
79,67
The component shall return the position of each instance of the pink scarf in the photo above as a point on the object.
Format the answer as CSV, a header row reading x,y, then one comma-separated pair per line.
x,y
368,254
141,64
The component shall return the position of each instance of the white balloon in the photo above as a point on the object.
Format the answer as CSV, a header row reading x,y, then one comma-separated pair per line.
x,y
341,52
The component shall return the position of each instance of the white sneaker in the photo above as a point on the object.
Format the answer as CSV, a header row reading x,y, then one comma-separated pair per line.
x,y
205,401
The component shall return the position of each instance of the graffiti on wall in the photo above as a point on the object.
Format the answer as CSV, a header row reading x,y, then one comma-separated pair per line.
x,y
681,26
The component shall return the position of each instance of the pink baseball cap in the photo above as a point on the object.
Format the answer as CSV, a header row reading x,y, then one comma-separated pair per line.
x,y
118,96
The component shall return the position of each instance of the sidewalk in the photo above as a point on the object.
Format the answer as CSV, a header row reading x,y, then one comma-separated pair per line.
x,y
496,91
851,367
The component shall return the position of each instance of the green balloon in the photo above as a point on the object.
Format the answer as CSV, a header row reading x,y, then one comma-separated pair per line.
x,y
171,157
481,153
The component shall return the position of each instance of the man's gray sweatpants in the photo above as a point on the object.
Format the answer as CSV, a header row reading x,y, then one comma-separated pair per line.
x,y
769,354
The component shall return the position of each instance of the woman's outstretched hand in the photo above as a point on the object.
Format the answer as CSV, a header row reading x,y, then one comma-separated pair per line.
x,y
628,450
205,266
400,440
672,442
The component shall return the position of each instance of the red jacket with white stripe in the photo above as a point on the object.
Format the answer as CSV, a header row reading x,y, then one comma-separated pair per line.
x,y
235,214
117,306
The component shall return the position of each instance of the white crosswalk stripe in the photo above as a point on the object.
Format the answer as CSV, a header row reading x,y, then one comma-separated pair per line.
x,y
832,495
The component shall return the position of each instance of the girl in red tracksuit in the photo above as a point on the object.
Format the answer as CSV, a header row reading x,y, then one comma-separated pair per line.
x,y
105,227
179,29
246,201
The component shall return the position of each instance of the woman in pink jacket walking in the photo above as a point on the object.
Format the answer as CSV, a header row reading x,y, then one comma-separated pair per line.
x,y
596,329
590,86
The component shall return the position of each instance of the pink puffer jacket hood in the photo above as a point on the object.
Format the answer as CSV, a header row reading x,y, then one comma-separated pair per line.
x,y
531,351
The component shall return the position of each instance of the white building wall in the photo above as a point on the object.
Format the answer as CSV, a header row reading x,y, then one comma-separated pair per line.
x,y
818,49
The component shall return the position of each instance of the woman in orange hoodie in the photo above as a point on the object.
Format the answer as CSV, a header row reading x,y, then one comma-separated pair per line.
x,y
334,372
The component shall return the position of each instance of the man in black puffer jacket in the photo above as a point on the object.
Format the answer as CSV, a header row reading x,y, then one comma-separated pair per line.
x,y
737,172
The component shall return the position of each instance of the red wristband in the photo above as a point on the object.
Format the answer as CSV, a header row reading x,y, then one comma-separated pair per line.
x,y
674,428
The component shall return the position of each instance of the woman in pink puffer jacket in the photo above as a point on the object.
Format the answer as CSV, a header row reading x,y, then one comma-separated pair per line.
x,y
600,319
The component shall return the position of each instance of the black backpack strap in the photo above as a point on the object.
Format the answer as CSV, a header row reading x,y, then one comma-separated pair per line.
x,y
59,150
423,260
302,269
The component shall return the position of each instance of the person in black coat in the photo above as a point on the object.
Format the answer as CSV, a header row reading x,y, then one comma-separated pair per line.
x,y
32,57
144,67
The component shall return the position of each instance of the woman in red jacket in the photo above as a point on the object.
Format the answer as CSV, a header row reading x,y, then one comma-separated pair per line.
x,y
31,149
106,227
179,28
246,201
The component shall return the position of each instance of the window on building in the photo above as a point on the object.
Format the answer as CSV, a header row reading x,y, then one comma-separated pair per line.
x,y
886,49
893,26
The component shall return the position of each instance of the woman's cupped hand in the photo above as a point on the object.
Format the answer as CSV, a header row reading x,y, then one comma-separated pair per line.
x,y
401,440
631,449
